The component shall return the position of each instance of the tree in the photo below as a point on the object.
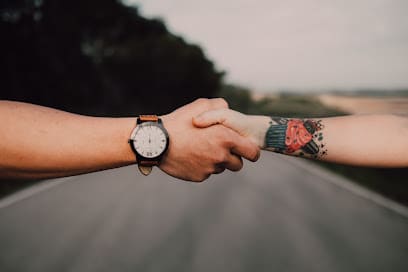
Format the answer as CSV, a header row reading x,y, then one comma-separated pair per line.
x,y
99,57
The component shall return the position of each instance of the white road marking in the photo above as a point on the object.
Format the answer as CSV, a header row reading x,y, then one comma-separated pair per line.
x,y
31,191
314,169
342,182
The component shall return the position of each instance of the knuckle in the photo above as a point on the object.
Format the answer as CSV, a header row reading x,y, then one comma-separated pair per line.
x,y
197,179
201,177
202,101
227,137
236,168
220,157
204,177
220,102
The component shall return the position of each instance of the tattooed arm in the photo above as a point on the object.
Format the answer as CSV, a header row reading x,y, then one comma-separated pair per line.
x,y
365,140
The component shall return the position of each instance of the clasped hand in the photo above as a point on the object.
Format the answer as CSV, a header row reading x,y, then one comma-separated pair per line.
x,y
204,146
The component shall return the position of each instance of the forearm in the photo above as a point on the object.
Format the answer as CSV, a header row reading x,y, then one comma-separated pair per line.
x,y
366,140
39,142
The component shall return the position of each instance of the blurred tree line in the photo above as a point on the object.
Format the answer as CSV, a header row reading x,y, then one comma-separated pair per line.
x,y
283,104
97,57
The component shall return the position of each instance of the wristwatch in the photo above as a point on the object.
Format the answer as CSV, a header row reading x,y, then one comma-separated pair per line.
x,y
149,141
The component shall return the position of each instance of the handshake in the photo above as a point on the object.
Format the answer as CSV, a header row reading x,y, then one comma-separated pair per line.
x,y
207,138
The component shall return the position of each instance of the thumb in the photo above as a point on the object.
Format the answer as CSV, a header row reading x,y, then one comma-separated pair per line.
x,y
226,117
252,126
209,118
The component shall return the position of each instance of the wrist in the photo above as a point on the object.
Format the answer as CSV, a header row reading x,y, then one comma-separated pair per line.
x,y
129,124
260,125
149,141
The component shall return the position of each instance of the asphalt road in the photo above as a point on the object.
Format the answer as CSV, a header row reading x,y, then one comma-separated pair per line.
x,y
275,215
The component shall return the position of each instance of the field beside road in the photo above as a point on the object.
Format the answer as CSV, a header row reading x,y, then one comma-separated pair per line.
x,y
366,104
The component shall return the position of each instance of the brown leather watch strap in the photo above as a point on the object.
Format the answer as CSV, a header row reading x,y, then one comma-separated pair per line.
x,y
148,118
148,163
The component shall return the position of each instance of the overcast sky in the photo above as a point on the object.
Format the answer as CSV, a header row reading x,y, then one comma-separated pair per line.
x,y
296,44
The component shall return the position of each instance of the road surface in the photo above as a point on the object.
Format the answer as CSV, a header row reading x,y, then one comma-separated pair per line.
x,y
275,215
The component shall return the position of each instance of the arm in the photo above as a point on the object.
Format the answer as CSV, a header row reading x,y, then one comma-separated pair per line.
x,y
364,140
39,142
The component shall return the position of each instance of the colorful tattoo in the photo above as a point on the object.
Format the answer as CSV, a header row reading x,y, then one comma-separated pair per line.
x,y
296,137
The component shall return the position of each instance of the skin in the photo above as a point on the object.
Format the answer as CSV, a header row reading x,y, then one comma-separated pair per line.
x,y
361,140
40,142
195,153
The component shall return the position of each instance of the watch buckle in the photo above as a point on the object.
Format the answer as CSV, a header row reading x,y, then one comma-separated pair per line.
x,y
145,170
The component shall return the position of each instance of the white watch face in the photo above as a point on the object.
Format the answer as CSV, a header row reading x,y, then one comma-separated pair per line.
x,y
149,140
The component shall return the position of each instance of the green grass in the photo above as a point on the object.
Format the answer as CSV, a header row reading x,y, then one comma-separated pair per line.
x,y
392,183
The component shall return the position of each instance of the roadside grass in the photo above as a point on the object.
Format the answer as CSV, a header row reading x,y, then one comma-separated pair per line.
x,y
9,186
392,183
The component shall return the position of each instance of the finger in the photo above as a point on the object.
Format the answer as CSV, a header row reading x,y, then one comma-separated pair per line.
x,y
210,118
219,168
244,147
219,103
234,163
226,117
209,104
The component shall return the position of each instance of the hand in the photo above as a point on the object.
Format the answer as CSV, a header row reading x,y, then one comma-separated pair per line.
x,y
251,126
196,153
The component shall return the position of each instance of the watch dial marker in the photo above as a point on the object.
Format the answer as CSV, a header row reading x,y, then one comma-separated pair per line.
x,y
149,141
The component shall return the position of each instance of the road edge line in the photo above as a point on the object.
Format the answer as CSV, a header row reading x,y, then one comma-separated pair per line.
x,y
349,185
31,191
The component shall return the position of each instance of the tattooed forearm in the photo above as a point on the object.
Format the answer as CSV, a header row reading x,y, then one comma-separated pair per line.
x,y
296,137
